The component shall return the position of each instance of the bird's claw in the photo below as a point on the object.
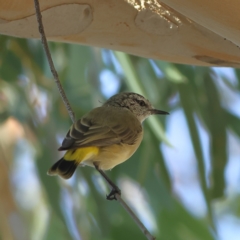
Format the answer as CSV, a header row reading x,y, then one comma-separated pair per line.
x,y
111,195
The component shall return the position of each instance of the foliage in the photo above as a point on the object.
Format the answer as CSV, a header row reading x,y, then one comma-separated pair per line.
x,y
51,208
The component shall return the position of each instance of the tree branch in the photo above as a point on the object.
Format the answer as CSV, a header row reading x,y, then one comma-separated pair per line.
x,y
135,218
71,113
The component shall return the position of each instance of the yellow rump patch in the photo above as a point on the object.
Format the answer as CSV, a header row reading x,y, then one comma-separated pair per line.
x,y
81,154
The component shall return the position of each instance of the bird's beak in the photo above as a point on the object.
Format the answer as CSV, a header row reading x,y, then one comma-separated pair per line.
x,y
156,111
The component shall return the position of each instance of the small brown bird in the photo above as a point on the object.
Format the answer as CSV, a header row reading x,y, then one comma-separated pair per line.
x,y
106,136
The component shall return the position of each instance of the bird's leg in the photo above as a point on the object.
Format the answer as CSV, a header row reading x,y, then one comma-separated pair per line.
x,y
115,189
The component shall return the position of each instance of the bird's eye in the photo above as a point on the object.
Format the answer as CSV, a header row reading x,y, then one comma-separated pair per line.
x,y
142,103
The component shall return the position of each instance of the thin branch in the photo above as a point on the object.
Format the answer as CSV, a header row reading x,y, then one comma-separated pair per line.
x,y
134,217
71,114
50,61
117,196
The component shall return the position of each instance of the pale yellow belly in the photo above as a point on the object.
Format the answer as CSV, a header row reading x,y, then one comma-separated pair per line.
x,y
108,157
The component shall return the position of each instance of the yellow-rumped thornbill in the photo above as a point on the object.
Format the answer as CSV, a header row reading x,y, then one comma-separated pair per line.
x,y
106,136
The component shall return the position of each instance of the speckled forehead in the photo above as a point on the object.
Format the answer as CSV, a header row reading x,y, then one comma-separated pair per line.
x,y
139,97
135,96
131,97
127,98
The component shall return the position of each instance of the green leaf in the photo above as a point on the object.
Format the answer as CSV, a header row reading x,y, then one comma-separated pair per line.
x,y
171,72
188,107
233,122
10,66
218,139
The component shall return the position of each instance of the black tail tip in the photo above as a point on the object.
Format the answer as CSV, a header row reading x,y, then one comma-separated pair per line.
x,y
63,168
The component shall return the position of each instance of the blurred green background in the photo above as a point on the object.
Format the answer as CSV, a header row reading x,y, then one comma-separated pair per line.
x,y
183,181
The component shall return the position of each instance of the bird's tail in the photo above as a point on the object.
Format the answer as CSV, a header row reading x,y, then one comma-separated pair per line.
x,y
63,168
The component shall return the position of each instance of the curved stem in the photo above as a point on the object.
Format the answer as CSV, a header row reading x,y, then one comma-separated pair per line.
x,y
50,61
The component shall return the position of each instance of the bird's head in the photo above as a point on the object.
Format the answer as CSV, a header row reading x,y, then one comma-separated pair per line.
x,y
135,103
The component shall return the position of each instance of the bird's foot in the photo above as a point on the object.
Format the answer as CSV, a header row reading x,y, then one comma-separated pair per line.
x,y
111,195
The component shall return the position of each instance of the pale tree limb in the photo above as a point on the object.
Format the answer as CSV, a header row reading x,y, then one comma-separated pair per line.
x,y
71,114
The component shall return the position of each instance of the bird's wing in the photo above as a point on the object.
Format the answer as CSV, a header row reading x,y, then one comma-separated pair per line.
x,y
101,127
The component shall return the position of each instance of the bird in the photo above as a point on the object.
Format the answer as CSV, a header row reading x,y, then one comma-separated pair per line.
x,y
106,136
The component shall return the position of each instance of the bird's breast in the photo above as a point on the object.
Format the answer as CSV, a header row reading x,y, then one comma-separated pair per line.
x,y
110,156
113,155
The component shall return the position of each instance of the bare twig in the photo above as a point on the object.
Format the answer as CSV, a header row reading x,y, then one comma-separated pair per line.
x,y
50,61
134,217
117,197
71,113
